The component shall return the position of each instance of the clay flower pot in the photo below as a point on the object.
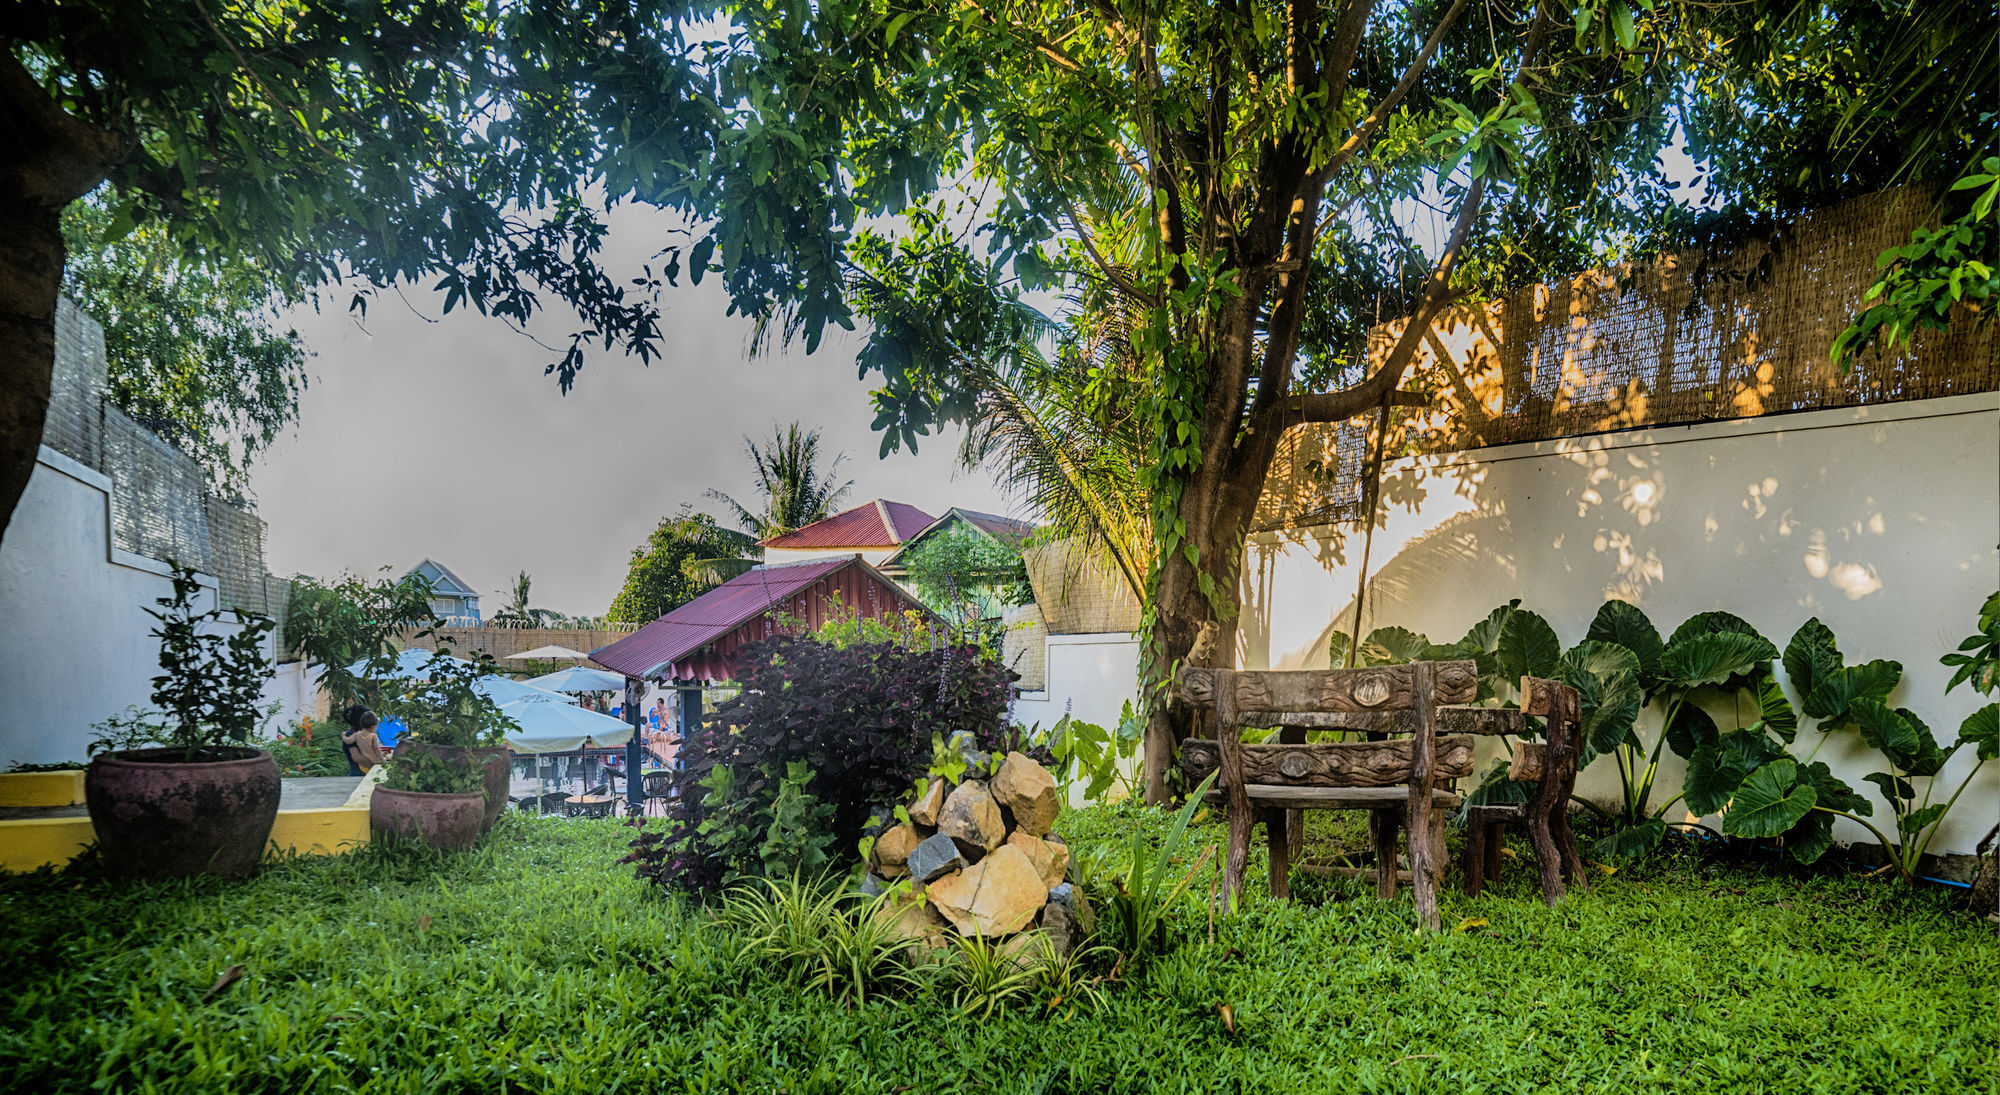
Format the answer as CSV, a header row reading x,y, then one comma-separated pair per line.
x,y
159,815
496,774
447,822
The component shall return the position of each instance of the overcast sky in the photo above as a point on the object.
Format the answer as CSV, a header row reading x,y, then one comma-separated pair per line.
x,y
422,435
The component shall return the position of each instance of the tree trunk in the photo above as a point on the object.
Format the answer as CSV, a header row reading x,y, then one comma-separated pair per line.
x,y
48,158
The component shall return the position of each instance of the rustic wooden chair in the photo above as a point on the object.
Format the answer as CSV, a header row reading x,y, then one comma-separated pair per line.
x,y
1396,780
1551,765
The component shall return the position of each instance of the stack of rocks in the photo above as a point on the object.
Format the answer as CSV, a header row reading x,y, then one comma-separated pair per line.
x,y
981,858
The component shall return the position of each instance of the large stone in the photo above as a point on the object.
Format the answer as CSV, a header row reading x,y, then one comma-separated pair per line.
x,y
978,762
924,811
1027,950
1029,791
893,847
1071,898
998,895
935,856
909,917
1059,924
1051,860
972,819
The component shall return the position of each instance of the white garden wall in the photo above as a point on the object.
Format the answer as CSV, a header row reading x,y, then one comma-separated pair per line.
x,y
1880,520
1091,676
77,646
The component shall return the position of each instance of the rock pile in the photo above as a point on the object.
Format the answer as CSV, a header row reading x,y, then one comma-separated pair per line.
x,y
980,858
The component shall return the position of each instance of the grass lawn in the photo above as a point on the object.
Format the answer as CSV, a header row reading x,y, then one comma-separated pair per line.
x,y
537,964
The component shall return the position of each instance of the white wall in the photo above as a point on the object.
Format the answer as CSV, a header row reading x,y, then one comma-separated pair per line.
x,y
1879,520
1093,675
77,644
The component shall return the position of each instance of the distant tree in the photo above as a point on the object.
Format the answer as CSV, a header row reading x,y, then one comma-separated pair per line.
x,y
194,347
795,491
676,564
517,613
967,578
338,623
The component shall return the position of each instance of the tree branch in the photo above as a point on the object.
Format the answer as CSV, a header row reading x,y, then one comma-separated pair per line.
x,y
1366,130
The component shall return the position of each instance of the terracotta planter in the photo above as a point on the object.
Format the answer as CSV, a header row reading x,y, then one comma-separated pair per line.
x,y
497,774
158,815
447,822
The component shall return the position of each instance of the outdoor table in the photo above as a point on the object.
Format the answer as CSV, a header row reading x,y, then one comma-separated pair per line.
x,y
590,805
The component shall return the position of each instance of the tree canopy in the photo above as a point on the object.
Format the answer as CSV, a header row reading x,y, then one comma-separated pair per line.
x,y
794,488
675,565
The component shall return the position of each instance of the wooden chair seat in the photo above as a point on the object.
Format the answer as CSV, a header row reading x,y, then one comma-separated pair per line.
x,y
1287,797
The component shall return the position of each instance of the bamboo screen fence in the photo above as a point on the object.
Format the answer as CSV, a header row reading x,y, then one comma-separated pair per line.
x,y
1704,334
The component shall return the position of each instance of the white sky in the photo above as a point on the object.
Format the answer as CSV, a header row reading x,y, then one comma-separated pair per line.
x,y
444,439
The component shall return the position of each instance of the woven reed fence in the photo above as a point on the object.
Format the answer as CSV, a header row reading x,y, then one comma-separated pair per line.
x,y
1713,333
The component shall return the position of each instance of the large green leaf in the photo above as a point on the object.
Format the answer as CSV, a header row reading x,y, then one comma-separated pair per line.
x,y
1485,635
1713,657
1811,656
1832,698
1811,837
1528,646
1719,767
1606,676
1889,732
1916,821
1769,801
1833,792
1712,623
1623,623
1894,788
1981,729
1775,708
1393,646
1690,729
1633,842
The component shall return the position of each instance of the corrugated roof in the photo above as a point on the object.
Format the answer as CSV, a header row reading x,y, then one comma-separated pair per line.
x,y
1004,529
712,615
876,524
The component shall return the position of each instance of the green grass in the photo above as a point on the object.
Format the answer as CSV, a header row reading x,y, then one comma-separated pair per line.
x,y
537,964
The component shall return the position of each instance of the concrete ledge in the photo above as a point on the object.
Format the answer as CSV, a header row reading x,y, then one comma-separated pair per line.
x,y
27,844
41,789
32,843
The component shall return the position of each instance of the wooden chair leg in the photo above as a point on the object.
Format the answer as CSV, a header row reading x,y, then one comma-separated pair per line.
x,y
1474,856
1548,860
1572,858
1279,841
1439,849
1382,833
1238,861
1295,820
1496,839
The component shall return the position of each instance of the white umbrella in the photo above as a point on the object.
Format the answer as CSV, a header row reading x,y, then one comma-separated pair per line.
x,y
560,727
504,690
410,664
578,678
548,654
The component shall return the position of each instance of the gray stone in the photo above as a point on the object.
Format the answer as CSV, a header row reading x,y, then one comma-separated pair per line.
x,y
1071,899
978,764
872,886
1059,924
936,856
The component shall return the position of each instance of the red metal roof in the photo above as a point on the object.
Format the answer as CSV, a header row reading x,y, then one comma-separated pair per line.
x,y
1007,530
876,524
696,639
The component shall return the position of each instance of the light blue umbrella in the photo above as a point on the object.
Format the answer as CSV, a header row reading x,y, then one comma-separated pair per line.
x,y
560,727
579,678
411,664
504,690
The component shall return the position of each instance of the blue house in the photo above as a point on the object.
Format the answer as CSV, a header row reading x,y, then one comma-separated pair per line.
x,y
452,597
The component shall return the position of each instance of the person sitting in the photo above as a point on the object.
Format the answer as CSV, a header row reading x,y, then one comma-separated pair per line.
x,y
363,748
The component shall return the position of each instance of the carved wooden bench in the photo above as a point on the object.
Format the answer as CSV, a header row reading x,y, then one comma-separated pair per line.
x,y
1396,781
1551,765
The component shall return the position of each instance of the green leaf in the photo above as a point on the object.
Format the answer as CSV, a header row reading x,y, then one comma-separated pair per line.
x,y
1887,731
1916,821
1811,656
1633,842
1690,729
1980,730
1832,698
1769,801
1811,837
1622,26
1711,623
1894,788
1833,792
1713,657
1528,646
1485,635
1775,708
1713,774
1623,623
1606,675
1393,646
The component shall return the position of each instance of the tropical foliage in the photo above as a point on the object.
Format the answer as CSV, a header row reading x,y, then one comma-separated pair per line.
x,y
784,777
675,565
210,690
194,347
337,624
794,489
517,612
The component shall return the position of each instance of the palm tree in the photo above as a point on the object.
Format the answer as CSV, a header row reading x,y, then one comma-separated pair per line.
x,y
796,492
517,613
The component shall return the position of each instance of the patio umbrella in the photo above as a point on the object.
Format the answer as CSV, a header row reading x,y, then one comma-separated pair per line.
x,y
410,664
579,678
504,690
548,654
559,727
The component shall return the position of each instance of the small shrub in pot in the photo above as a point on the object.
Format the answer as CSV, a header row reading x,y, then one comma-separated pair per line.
x,y
429,796
449,718
177,791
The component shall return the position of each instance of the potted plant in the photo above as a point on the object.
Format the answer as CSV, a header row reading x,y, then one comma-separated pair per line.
x,y
449,719
177,791
428,796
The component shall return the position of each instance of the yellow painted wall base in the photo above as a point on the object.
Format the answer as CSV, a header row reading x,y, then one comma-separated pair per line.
x,y
30,843
40,789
